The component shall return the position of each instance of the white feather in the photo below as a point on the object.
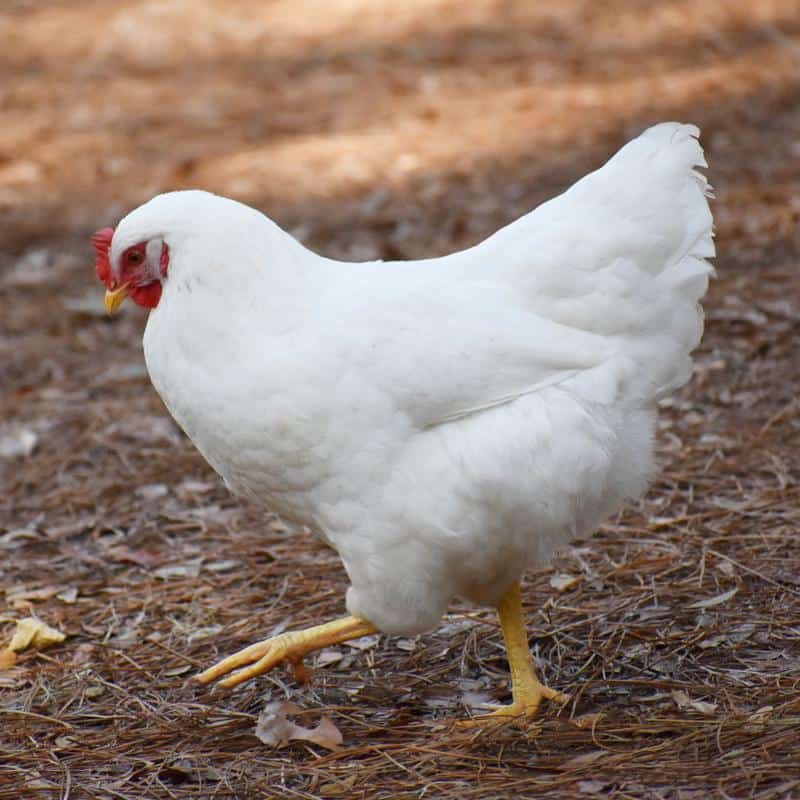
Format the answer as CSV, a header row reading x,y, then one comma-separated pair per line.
x,y
447,423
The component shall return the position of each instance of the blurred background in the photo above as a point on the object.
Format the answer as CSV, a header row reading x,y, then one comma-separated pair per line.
x,y
377,129
412,127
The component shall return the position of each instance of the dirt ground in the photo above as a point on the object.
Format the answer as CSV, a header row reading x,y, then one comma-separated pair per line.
x,y
378,129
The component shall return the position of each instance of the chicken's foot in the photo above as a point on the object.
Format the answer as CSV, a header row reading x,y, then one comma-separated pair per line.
x,y
288,647
528,691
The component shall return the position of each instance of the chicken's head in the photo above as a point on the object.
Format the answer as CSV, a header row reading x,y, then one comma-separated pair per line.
x,y
137,270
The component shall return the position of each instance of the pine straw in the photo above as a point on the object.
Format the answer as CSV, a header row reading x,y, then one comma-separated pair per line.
x,y
679,639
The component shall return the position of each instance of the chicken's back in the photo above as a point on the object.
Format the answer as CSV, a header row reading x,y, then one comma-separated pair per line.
x,y
621,254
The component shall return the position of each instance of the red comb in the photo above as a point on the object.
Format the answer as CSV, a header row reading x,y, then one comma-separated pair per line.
x,y
101,241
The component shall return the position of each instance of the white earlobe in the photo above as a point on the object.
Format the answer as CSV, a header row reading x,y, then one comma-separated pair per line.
x,y
154,254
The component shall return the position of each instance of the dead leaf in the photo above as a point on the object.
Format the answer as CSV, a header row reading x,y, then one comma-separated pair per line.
x,y
762,715
561,582
591,787
8,658
585,721
23,595
726,568
365,642
190,569
478,702
274,729
32,632
327,656
68,596
121,553
339,789
64,741
713,641
705,708
17,441
203,632
223,566
36,783
683,701
195,487
175,671
718,600
152,491
18,537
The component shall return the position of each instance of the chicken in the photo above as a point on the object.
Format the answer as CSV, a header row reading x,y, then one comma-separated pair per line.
x,y
444,424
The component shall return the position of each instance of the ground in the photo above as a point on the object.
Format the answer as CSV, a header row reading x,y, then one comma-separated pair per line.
x,y
379,129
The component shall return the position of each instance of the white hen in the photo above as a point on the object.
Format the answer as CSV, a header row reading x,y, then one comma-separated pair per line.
x,y
445,424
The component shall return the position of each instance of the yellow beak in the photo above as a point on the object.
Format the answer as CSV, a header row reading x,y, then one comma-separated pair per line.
x,y
115,299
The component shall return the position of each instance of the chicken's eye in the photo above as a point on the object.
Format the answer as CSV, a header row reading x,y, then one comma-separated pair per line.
x,y
134,257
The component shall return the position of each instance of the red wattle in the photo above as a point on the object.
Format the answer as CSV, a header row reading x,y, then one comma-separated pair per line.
x,y
148,295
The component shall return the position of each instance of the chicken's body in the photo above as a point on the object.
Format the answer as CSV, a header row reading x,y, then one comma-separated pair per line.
x,y
445,424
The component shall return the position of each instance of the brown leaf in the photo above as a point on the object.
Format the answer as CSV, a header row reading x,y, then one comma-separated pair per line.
x,y
726,568
591,787
22,596
562,582
69,595
121,553
189,569
585,721
683,701
274,729
32,632
717,600
7,658
342,788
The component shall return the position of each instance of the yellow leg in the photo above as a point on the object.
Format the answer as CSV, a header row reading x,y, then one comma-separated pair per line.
x,y
287,647
527,691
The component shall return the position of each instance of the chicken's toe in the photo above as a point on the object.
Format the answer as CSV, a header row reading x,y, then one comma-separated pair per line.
x,y
249,655
523,710
288,647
